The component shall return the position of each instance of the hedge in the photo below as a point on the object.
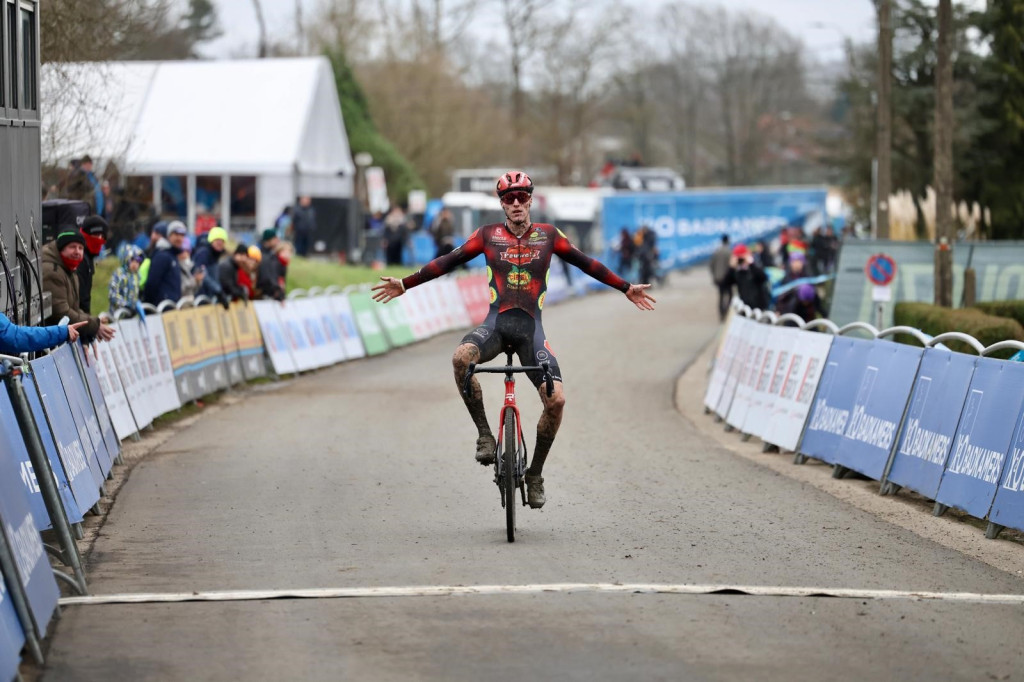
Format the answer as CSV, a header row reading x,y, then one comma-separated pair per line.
x,y
1011,309
935,320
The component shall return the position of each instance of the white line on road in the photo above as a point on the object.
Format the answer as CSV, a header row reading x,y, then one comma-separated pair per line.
x,y
457,590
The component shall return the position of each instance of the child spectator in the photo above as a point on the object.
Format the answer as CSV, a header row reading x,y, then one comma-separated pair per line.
x,y
124,283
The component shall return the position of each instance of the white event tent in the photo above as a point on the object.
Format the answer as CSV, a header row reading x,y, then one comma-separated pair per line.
x,y
233,140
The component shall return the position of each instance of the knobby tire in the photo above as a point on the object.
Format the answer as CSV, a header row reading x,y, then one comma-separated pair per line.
x,y
509,481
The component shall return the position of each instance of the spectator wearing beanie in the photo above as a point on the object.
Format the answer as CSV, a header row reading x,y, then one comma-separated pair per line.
x,y
94,230
230,272
163,282
207,259
271,271
124,283
61,258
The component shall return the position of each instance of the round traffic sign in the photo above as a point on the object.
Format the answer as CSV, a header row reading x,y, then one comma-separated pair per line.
x,y
881,269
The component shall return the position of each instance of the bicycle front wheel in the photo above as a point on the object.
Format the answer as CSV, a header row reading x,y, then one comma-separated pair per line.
x,y
509,479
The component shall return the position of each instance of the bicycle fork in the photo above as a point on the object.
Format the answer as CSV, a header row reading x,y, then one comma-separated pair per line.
x,y
520,457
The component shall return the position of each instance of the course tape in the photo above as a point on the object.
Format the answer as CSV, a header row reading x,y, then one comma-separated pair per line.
x,y
457,590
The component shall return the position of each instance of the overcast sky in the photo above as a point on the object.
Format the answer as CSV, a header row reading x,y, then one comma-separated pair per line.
x,y
821,23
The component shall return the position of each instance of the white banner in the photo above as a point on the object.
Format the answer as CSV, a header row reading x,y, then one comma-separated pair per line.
x,y
757,336
456,305
744,327
416,312
127,369
780,342
154,339
113,392
341,308
721,364
274,337
332,329
328,351
793,403
144,401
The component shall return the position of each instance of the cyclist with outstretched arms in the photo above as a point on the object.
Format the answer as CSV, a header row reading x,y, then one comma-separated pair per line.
x,y
518,254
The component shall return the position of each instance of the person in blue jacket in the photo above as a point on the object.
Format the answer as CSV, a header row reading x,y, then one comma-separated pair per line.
x,y
163,283
15,339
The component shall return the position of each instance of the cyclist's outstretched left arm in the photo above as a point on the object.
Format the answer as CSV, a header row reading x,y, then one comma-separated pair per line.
x,y
636,293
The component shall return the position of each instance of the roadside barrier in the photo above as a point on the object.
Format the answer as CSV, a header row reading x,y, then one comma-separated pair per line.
x,y
64,414
946,425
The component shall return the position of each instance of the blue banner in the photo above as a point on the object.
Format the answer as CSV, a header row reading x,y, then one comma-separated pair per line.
x,y
81,407
690,224
13,444
100,405
12,637
22,535
882,395
837,394
1008,507
73,444
982,439
935,407
67,496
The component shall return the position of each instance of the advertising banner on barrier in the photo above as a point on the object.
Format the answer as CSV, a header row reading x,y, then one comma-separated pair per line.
x,y
81,406
456,304
174,332
756,420
803,362
341,310
275,337
229,340
935,406
250,341
396,326
374,340
12,637
477,296
744,328
874,421
416,313
748,374
722,364
303,346
213,373
22,536
435,317
73,444
134,372
92,383
837,392
164,395
1008,506
13,443
983,437
321,325
112,389
67,496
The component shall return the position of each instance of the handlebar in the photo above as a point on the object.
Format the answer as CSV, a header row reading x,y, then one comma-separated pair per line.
x,y
544,367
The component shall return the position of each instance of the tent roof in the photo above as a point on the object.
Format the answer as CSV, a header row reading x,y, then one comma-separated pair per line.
x,y
202,117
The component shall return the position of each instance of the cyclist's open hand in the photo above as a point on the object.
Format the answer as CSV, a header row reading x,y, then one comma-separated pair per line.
x,y
391,288
638,295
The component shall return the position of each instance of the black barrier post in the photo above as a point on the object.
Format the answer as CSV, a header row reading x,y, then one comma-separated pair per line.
x,y
41,463
92,401
19,599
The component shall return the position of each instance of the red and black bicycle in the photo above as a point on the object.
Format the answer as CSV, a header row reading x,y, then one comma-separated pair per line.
x,y
510,458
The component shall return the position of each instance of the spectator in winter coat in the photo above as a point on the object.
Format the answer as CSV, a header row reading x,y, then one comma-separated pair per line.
x,y
230,271
15,339
750,281
164,280
304,225
94,230
207,259
61,258
719,266
157,236
190,280
270,276
804,302
124,283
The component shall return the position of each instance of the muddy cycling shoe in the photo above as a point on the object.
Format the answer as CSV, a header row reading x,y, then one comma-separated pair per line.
x,y
535,491
485,449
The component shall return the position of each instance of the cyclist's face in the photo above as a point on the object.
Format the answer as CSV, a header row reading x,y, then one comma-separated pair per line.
x,y
517,211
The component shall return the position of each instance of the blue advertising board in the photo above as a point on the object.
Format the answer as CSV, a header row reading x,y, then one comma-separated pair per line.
x,y
690,224
81,407
1008,506
100,405
22,536
13,444
935,406
67,496
834,402
990,414
12,637
874,421
73,444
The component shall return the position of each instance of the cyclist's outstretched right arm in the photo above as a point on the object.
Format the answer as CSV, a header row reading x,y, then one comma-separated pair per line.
x,y
441,265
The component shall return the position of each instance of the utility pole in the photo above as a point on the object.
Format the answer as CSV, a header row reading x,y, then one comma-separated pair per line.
x,y
944,157
883,140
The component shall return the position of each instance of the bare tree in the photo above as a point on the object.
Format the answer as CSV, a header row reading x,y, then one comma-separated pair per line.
x,y
342,23
523,31
883,143
944,157
263,28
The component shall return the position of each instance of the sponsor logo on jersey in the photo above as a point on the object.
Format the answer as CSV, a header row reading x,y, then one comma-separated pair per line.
x,y
518,278
537,237
520,255
540,301
494,294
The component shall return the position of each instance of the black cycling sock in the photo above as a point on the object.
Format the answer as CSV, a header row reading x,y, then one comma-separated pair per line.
x,y
540,453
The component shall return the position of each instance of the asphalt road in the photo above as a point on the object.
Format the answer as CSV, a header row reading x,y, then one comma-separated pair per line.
x,y
363,475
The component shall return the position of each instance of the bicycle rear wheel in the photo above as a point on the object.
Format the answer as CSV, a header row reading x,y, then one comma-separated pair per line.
x,y
509,475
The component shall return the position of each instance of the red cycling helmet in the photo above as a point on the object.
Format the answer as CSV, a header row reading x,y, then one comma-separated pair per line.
x,y
514,180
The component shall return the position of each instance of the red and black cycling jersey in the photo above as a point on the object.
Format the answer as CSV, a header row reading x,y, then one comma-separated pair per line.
x,y
517,267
